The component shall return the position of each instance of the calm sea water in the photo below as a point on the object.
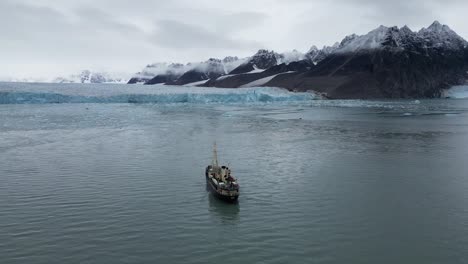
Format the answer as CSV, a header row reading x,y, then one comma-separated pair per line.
x,y
321,182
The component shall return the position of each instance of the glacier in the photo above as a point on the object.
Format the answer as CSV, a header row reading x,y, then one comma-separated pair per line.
x,y
39,93
456,92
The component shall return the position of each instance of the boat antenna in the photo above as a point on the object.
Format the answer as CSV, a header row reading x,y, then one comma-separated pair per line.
x,y
215,156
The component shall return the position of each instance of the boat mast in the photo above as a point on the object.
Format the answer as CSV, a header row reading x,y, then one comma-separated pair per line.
x,y
215,157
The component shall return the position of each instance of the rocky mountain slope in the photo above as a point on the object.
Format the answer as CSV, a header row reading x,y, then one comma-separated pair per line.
x,y
388,63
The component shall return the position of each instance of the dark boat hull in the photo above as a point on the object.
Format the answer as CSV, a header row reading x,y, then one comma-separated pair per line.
x,y
212,188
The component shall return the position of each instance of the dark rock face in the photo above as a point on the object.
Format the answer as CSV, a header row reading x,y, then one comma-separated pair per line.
x,y
244,68
300,66
316,55
238,80
263,59
382,73
192,76
162,78
135,80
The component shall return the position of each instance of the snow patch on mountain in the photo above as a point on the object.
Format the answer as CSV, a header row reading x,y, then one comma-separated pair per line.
x,y
255,70
262,81
195,83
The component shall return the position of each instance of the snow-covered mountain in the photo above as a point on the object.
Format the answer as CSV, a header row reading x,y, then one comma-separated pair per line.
x,y
315,55
388,62
435,36
263,59
441,36
394,62
87,76
177,73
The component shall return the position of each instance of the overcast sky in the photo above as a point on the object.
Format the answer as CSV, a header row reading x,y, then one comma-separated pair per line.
x,y
46,38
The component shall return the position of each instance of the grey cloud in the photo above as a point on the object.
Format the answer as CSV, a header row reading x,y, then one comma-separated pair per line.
x,y
406,12
126,34
17,18
174,34
234,22
94,19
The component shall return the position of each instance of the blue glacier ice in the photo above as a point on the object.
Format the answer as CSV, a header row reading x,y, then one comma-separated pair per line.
x,y
457,92
27,93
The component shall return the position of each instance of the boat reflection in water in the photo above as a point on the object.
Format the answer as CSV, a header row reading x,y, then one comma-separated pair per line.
x,y
227,213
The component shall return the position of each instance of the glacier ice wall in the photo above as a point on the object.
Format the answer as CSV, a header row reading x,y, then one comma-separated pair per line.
x,y
457,92
23,93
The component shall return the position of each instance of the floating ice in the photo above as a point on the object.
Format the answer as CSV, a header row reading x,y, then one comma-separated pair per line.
x,y
457,92
21,93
